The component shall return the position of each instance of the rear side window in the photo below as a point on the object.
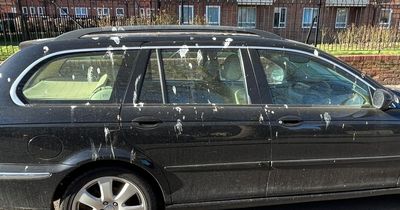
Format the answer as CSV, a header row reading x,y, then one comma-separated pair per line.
x,y
78,77
295,78
201,76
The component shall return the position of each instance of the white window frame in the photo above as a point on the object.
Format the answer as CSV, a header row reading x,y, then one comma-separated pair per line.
x,y
280,23
13,10
40,11
219,15
389,22
25,10
142,12
191,19
101,11
341,24
120,15
314,10
64,11
32,10
80,9
255,18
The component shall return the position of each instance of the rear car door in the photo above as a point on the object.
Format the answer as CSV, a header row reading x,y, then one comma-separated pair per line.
x,y
327,137
67,103
192,111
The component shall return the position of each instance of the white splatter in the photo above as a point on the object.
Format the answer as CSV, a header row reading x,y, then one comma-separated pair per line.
x,y
106,134
343,126
276,134
95,154
316,53
215,108
327,119
116,39
9,79
183,51
45,49
199,57
135,92
119,117
132,155
98,71
178,127
174,89
354,136
87,103
190,65
214,38
178,109
286,106
90,76
227,42
261,119
73,77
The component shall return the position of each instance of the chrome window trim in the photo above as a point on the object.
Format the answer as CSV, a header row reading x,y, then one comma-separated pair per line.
x,y
17,100
23,175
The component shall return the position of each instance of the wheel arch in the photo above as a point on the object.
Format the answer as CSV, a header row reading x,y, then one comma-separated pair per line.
x,y
159,186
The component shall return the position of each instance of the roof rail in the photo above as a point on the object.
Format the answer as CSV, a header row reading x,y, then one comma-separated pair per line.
x,y
165,28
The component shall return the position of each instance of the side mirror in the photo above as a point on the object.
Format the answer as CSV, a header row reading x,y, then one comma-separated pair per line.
x,y
382,99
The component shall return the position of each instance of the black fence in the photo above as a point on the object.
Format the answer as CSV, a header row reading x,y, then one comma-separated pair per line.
x,y
333,25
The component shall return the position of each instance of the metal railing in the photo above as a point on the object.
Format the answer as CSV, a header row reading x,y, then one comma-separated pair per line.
x,y
333,25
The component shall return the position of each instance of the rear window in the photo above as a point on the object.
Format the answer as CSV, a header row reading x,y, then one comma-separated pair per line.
x,y
78,77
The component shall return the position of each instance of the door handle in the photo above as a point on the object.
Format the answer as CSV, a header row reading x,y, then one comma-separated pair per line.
x,y
290,121
146,122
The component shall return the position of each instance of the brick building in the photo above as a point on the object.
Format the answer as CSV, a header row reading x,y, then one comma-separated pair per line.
x,y
291,19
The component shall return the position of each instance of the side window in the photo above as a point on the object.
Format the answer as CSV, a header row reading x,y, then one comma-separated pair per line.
x,y
301,79
151,88
204,76
78,77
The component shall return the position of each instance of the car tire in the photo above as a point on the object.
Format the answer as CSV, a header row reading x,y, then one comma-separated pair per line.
x,y
108,188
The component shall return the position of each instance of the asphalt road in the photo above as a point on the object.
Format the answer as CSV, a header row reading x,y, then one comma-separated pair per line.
x,y
373,203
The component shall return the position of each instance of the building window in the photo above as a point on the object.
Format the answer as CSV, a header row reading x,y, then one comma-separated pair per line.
x,y
32,10
280,17
103,11
247,17
146,12
81,12
25,10
213,15
13,10
385,17
188,14
120,12
63,11
309,14
341,17
40,11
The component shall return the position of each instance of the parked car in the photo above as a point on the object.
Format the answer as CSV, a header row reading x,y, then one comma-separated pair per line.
x,y
189,117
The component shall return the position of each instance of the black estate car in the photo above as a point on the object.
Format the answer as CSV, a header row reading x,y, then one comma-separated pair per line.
x,y
197,117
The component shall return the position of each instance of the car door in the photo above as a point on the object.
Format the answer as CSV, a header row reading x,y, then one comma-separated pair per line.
x,y
326,135
193,111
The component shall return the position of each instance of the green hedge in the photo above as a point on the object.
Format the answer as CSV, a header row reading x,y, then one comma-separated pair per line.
x,y
7,50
